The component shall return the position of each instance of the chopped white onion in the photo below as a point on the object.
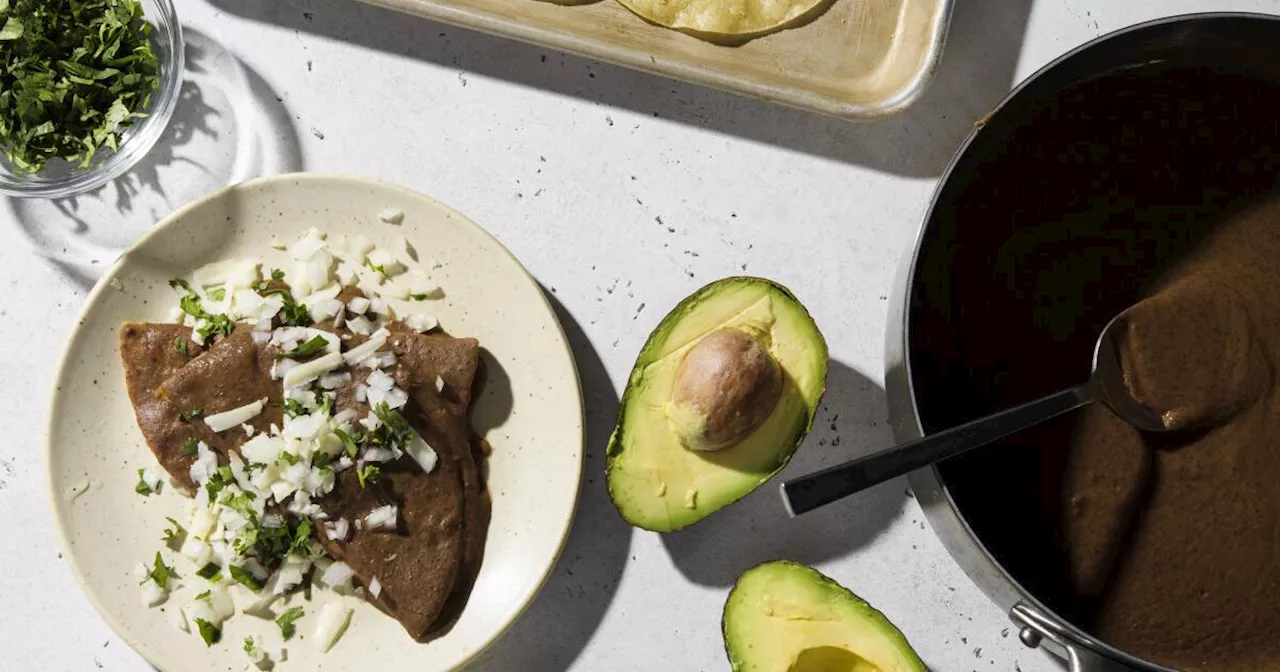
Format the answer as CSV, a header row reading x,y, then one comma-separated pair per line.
x,y
358,305
375,587
153,594
379,380
333,381
421,323
221,422
385,359
336,574
360,325
330,625
309,371
422,453
377,455
259,337
439,384
362,393
337,530
391,215
384,518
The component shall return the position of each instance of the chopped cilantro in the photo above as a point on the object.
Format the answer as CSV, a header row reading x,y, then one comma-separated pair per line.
x,y
182,347
159,573
210,633
191,305
286,622
203,596
302,538
210,572
188,416
307,349
245,578
173,538
190,446
216,324
395,430
325,402
294,313
250,648
293,408
277,274
217,481
289,457
418,297
321,460
368,475
75,76
142,488
378,268
348,443
217,294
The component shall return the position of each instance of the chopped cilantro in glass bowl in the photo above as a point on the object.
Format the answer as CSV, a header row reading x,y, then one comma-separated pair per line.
x,y
94,97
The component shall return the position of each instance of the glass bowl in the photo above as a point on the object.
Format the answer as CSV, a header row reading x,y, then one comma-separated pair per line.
x,y
61,178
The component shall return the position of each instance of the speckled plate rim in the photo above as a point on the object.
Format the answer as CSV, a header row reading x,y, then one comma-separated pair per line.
x,y
58,511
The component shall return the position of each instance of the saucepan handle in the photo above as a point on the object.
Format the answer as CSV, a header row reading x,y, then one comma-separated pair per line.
x,y
1082,656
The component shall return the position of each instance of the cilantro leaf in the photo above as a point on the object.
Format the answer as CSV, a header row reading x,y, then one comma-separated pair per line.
x,y
418,297
307,349
293,408
209,572
188,416
368,475
245,578
348,442
293,313
182,347
302,537
286,622
159,573
190,446
142,488
173,538
210,633
217,294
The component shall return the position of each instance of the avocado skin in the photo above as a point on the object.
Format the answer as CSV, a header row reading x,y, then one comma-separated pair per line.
x,y
862,613
655,342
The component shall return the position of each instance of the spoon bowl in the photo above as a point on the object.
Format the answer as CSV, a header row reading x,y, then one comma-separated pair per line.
x,y
1106,384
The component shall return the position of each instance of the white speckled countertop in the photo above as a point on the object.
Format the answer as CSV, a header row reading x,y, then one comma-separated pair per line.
x,y
622,193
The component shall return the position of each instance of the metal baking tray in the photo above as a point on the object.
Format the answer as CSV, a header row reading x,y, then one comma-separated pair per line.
x,y
861,59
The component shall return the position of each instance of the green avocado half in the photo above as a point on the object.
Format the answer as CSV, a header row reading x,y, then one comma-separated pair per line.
x,y
721,395
785,617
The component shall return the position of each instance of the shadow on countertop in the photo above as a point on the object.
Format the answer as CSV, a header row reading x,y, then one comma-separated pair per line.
x,y
977,70
566,613
851,422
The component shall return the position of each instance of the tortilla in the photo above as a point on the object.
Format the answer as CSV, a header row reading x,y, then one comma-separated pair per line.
x,y
163,384
426,566
712,19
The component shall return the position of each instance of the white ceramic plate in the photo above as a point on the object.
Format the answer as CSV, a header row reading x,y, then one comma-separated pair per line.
x,y
530,410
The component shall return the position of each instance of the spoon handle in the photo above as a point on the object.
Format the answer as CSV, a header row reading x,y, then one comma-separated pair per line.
x,y
823,487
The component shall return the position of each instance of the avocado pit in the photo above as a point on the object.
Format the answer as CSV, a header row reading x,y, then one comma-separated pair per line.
x,y
727,385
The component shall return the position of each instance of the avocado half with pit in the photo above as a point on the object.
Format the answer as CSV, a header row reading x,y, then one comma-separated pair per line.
x,y
783,616
721,395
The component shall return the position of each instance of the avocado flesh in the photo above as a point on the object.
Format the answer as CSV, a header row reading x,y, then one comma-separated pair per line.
x,y
786,616
659,484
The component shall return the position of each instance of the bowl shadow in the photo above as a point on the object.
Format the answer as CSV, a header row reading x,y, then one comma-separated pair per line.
x,y
569,608
851,422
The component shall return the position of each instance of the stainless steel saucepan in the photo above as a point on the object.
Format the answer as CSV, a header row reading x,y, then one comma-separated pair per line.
x,y
1091,177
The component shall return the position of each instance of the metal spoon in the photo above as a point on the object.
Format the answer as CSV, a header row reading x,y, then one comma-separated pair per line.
x,y
1106,384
